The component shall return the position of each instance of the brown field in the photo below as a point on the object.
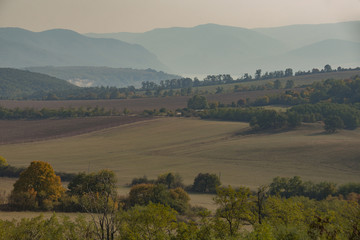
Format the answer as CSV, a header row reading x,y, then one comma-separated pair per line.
x,y
19,131
136,105
190,146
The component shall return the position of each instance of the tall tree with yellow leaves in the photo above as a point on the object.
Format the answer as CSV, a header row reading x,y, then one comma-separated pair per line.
x,y
37,187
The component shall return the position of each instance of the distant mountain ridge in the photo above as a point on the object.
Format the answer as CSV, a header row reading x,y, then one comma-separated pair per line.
x,y
15,83
59,47
204,48
305,34
212,48
104,76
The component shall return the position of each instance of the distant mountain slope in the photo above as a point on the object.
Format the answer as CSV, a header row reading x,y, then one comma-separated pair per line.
x,y
104,76
58,47
296,36
332,51
206,48
16,83
211,48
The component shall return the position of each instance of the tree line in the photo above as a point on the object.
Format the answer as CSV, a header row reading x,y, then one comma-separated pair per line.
x,y
44,113
228,79
287,208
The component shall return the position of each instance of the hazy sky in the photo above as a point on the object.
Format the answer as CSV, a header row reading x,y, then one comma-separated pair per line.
x,y
142,15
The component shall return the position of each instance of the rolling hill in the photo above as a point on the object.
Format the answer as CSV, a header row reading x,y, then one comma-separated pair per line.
x,y
208,48
213,49
296,36
189,146
58,47
331,51
104,76
15,83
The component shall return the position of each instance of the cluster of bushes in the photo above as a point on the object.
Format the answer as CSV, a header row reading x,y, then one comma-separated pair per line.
x,y
32,113
336,91
335,116
292,187
203,182
259,118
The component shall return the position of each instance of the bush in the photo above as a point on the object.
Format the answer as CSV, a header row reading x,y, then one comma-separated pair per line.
x,y
206,183
197,103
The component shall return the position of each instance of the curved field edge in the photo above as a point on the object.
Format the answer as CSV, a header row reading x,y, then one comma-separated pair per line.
x,y
191,146
20,131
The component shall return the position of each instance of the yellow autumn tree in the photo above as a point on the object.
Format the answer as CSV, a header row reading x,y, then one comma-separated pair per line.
x,y
37,186
3,162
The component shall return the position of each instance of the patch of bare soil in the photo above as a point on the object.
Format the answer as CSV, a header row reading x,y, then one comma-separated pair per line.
x,y
18,131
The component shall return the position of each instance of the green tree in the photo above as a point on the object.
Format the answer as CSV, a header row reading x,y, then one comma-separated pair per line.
x,y
101,202
154,221
288,72
333,123
206,183
289,84
327,68
277,84
171,180
258,74
234,206
197,103
84,183
39,183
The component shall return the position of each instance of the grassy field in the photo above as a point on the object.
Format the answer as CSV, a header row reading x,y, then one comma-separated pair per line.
x,y
190,146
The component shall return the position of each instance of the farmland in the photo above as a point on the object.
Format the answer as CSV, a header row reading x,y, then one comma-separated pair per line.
x,y
298,80
190,146
19,131
135,105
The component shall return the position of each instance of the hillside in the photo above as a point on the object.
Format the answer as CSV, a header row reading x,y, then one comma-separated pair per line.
x,y
346,52
206,48
214,49
190,146
104,76
15,83
296,36
58,47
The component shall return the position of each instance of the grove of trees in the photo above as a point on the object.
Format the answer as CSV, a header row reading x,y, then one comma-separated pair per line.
x,y
287,208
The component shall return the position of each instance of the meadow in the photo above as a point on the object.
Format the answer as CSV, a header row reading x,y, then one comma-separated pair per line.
x,y
190,146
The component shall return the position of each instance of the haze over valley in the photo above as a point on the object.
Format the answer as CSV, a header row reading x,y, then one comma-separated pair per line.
x,y
164,120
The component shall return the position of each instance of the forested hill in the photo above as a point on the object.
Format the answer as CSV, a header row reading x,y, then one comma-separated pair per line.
x,y
105,76
15,83
20,48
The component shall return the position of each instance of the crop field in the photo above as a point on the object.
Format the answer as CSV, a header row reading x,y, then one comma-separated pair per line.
x,y
298,80
136,105
191,146
19,131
